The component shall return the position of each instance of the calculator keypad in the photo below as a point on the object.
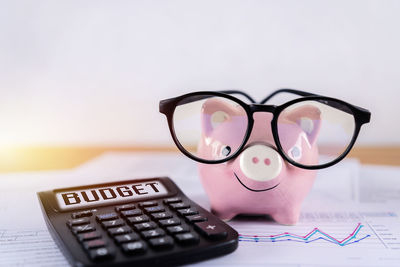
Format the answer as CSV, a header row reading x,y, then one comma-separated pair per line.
x,y
113,223
161,215
137,247
126,238
211,229
125,207
187,238
162,242
96,243
138,219
136,228
148,204
169,222
101,253
80,221
119,230
178,229
131,213
83,228
106,216
144,226
88,236
80,214
153,233
196,218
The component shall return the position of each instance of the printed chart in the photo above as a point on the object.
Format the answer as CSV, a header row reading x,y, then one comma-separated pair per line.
x,y
327,229
320,238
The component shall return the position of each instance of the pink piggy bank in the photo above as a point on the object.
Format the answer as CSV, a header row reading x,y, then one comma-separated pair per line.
x,y
258,181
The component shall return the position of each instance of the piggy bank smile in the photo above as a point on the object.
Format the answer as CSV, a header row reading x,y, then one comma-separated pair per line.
x,y
258,168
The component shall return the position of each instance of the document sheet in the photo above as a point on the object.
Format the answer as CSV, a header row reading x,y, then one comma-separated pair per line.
x,y
350,218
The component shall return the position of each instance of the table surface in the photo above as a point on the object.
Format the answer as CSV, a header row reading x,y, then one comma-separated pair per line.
x,y
53,158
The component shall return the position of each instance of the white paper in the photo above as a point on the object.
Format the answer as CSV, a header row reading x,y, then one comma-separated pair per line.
x,y
380,185
29,247
332,208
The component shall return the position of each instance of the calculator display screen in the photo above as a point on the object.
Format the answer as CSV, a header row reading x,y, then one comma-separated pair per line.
x,y
90,197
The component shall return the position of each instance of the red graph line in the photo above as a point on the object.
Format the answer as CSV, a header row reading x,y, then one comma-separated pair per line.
x,y
306,236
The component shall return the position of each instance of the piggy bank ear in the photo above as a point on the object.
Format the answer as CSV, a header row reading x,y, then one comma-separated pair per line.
x,y
308,118
214,113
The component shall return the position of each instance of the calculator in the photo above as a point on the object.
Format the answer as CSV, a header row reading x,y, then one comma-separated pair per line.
x,y
141,222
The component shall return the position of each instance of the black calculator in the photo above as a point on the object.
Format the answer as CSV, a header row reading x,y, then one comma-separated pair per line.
x,y
141,222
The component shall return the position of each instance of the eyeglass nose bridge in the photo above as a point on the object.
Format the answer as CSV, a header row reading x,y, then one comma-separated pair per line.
x,y
263,108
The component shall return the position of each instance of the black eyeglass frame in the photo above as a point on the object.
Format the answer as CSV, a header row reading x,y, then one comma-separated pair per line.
x,y
168,106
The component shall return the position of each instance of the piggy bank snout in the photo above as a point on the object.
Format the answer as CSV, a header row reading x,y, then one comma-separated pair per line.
x,y
260,162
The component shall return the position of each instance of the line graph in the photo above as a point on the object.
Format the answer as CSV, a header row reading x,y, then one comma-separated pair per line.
x,y
314,235
337,238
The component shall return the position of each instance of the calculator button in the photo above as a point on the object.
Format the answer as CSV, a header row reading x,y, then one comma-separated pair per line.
x,y
101,253
154,209
80,214
172,200
144,226
130,213
126,238
161,215
211,229
187,238
80,221
138,219
148,204
180,205
178,229
119,230
107,216
196,218
83,228
134,247
89,236
125,207
186,212
153,233
112,223
162,242
170,222
97,243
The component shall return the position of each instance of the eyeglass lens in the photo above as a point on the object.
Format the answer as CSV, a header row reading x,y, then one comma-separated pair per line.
x,y
313,133
210,127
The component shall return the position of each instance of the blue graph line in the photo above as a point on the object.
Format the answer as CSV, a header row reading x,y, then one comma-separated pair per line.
x,y
307,238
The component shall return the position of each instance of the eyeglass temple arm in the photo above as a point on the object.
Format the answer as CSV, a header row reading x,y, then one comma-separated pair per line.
x,y
238,93
285,90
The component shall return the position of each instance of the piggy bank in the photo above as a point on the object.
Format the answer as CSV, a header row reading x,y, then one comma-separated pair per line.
x,y
258,180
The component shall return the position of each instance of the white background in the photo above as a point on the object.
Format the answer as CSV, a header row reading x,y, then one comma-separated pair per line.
x,y
92,72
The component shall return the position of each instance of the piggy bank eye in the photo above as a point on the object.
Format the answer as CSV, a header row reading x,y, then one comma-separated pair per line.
x,y
225,151
295,152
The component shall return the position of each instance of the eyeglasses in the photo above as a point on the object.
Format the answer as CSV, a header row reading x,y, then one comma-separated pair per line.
x,y
221,124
